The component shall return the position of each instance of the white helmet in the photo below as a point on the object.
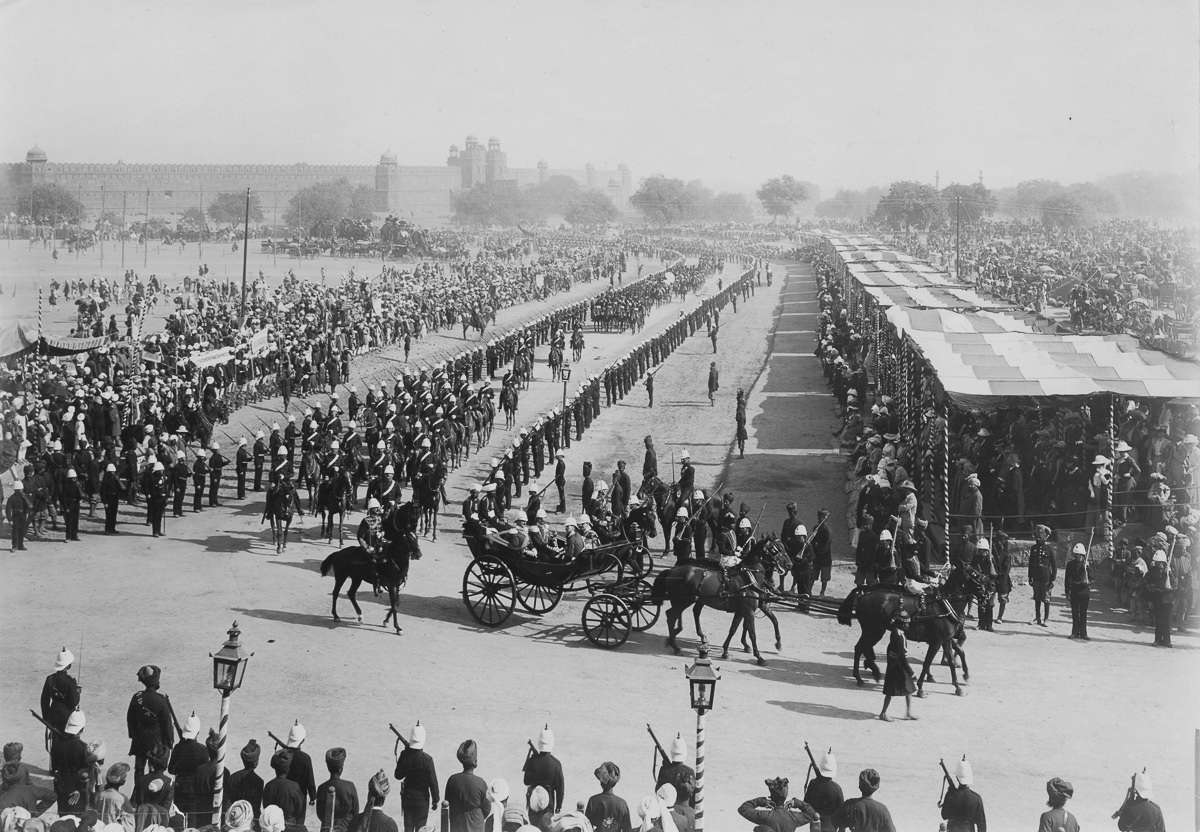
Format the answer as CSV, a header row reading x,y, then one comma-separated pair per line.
x,y
373,505
745,523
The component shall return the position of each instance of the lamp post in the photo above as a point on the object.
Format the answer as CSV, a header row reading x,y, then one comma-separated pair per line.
x,y
564,439
229,666
702,686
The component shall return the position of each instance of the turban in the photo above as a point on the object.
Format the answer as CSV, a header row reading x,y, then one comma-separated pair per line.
x,y
159,756
1059,787
778,785
468,753
271,819
14,818
14,772
609,774
868,781
250,753
335,757
571,822
281,760
667,794
213,742
12,752
149,675
379,785
117,773
539,799
239,817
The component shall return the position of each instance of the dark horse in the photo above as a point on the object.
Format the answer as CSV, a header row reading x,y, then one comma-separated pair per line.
x,y
356,564
700,584
335,496
429,491
940,626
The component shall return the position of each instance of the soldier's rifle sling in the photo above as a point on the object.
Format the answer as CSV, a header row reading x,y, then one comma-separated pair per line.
x,y
399,736
812,765
174,719
657,744
57,733
947,780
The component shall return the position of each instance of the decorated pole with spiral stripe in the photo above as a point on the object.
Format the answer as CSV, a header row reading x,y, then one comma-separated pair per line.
x,y
39,320
222,734
699,827
946,482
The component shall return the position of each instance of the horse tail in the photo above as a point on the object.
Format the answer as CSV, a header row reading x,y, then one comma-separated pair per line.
x,y
327,564
845,613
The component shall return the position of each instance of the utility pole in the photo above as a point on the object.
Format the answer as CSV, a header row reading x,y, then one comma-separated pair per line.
x,y
146,232
123,232
957,236
245,254
202,218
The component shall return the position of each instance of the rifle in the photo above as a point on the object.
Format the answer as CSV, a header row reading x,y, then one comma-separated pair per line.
x,y
812,765
399,737
947,780
658,750
1128,794
54,731
174,719
280,742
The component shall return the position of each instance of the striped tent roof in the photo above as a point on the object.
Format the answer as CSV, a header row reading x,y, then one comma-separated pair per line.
x,y
979,366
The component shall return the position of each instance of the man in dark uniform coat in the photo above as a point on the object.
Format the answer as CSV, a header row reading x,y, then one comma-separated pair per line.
x,y
345,796
963,808
650,463
206,779
677,772
246,784
467,792
282,791
419,792
60,693
1077,582
1139,812
260,458
180,474
589,487
148,721
543,769
1042,573
300,771
187,757
199,475
687,477
241,467
71,498
823,793
70,763
560,481
216,465
110,495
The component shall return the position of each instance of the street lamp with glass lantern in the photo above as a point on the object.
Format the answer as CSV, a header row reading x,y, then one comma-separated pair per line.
x,y
565,372
229,667
702,688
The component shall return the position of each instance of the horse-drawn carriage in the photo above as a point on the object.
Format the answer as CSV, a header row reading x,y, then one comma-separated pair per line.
x,y
501,576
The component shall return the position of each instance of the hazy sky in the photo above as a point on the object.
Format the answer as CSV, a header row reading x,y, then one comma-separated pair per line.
x,y
732,92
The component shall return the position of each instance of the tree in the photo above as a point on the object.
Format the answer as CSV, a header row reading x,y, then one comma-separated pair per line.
x,y
1094,198
728,207
492,203
660,200
553,196
590,208
911,204
320,207
971,202
1032,193
780,196
1066,211
230,208
44,202
192,218
1146,194
847,204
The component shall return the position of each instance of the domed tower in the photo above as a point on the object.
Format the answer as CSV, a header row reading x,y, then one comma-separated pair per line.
x,y
387,183
473,161
497,161
543,172
35,161
590,170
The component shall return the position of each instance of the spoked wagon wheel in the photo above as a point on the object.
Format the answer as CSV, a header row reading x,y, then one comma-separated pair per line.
x,y
643,611
538,600
489,591
608,570
606,621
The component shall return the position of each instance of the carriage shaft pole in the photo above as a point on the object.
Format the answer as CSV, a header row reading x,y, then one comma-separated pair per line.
x,y
699,794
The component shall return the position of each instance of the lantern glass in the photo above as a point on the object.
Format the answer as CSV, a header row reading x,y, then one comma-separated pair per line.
x,y
229,664
566,373
702,683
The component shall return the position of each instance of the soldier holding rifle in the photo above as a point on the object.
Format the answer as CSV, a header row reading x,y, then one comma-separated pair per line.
x,y
415,770
962,808
822,792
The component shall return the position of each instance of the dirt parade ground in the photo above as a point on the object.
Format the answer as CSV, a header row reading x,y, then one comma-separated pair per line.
x,y
1037,705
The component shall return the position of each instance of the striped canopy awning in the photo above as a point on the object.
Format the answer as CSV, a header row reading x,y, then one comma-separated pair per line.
x,y
980,367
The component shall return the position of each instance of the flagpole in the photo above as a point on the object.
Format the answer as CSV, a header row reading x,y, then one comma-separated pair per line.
x,y
245,255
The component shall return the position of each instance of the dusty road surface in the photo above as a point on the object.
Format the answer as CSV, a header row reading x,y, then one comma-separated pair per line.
x,y
1037,705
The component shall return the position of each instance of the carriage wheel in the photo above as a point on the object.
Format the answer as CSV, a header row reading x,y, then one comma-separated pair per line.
x,y
604,565
538,600
606,621
489,591
643,611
